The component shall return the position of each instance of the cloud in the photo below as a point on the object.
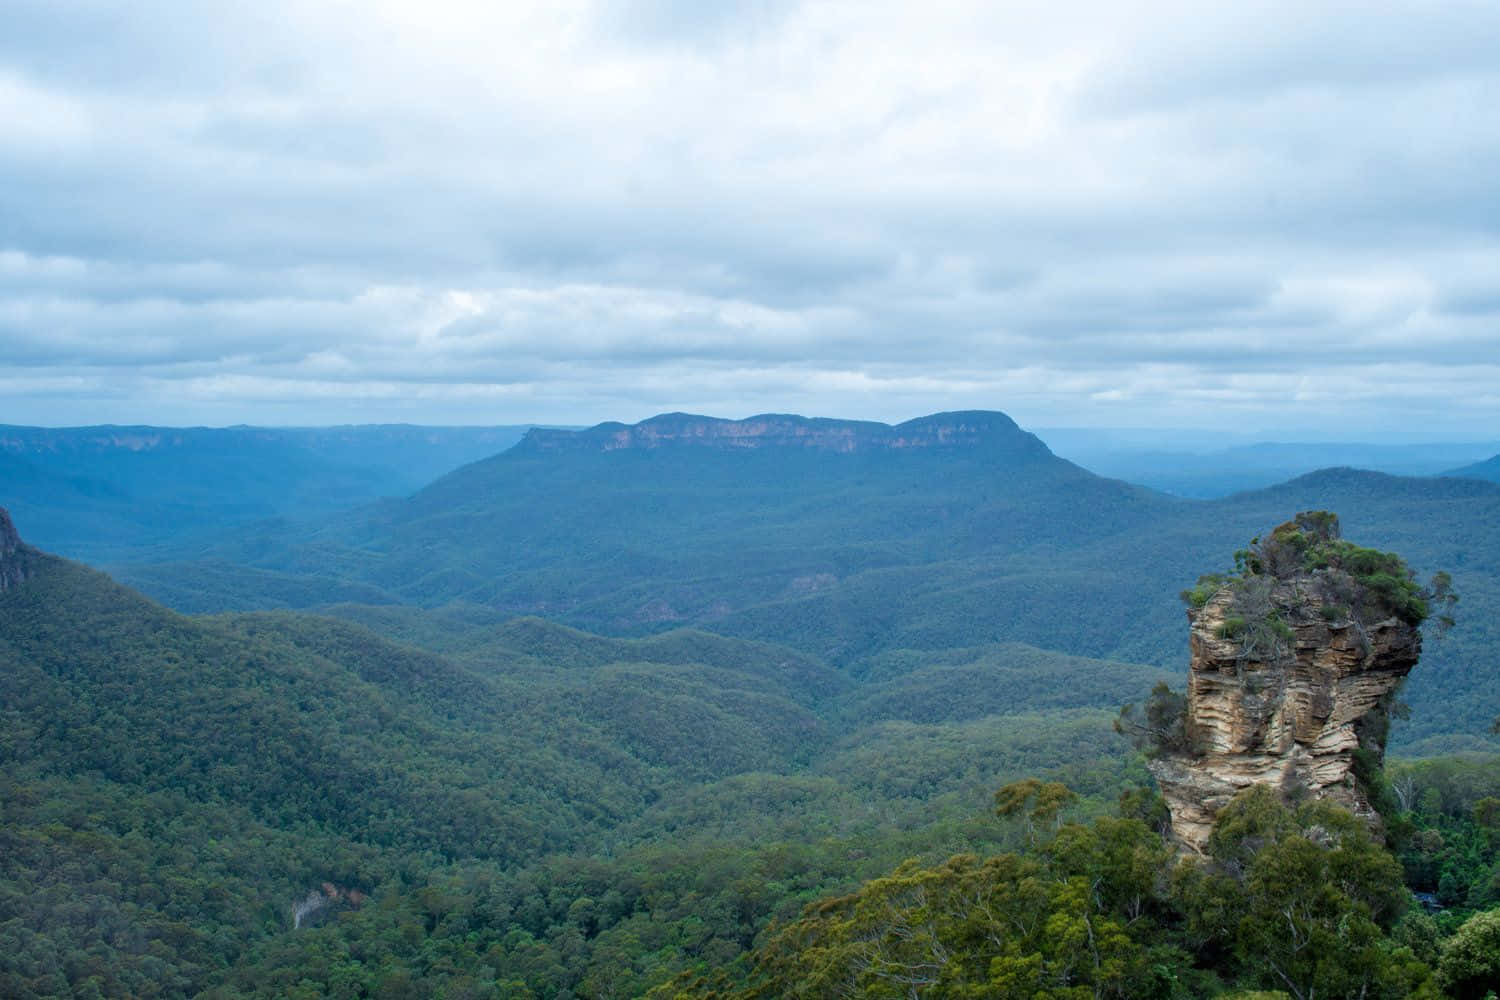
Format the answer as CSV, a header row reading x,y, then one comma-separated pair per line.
x,y
588,210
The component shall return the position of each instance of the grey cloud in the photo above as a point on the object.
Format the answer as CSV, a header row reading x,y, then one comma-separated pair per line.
x,y
1263,49
773,207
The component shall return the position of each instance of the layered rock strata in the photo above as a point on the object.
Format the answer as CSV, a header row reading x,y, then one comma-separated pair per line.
x,y
1291,717
971,430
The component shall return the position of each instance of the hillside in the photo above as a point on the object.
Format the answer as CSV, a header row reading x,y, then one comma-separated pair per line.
x,y
174,785
1214,472
846,540
1488,469
698,526
102,493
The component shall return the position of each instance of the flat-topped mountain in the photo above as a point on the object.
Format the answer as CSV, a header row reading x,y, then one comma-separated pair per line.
x,y
846,548
686,518
974,429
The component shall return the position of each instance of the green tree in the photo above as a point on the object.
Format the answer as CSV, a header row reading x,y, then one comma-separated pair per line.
x,y
1302,901
1470,963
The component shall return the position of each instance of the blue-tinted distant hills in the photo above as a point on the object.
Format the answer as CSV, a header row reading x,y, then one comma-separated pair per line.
x,y
1488,469
110,492
1200,470
847,541
844,539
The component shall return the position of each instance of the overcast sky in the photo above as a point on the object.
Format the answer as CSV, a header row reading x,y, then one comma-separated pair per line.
x,y
1242,216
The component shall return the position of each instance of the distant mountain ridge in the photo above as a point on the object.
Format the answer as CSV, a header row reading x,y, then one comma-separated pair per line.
x,y
965,429
109,492
1488,469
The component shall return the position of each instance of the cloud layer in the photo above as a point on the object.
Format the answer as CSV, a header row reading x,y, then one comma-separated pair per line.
x,y
1261,216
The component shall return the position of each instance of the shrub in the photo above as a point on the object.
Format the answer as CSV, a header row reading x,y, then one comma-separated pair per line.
x,y
1351,581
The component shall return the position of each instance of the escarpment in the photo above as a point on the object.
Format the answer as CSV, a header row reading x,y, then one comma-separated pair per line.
x,y
977,430
1294,663
15,558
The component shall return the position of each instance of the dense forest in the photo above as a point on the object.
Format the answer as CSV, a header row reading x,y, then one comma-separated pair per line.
x,y
287,805
672,724
850,555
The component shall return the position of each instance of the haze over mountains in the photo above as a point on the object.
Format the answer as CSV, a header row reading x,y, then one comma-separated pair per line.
x,y
844,539
1488,469
1211,470
100,493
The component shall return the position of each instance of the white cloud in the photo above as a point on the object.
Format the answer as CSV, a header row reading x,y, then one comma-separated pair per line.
x,y
585,210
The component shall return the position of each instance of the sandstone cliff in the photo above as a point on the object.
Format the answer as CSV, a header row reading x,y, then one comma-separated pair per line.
x,y
976,430
1291,673
15,558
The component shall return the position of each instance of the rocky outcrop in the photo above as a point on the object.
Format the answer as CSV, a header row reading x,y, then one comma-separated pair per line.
x,y
15,558
967,430
1289,713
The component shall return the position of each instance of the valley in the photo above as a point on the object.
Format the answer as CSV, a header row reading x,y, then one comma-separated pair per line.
x,y
584,717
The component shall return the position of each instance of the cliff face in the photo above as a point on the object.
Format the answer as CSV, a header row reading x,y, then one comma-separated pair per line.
x,y
1290,717
15,558
973,429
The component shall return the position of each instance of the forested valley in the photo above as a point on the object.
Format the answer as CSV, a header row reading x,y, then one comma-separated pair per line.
x,y
692,722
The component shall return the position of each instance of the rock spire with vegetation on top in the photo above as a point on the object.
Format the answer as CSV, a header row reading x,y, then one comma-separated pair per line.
x,y
1296,659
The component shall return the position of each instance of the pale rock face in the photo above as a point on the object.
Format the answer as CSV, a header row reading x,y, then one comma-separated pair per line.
x,y
1291,721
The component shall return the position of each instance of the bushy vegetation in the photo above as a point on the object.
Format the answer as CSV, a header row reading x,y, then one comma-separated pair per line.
x,y
1349,581
576,814
1305,566
1160,725
1293,902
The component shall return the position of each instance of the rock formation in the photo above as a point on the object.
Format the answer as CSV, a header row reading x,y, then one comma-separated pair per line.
x,y
15,558
973,429
1287,707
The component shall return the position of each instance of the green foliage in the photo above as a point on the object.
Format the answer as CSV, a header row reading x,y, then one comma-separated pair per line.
x,y
1064,924
850,557
1207,586
1300,900
1290,903
534,810
1161,725
577,814
1304,568
1378,584
1448,828
1470,965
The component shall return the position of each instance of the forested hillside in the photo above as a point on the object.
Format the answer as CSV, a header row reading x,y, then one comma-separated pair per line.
x,y
847,541
603,714
1488,469
177,787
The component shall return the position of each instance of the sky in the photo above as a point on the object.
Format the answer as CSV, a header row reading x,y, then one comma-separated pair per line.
x,y
1278,217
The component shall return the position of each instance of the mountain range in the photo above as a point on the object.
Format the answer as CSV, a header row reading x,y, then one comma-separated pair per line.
x,y
112,492
589,712
844,540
